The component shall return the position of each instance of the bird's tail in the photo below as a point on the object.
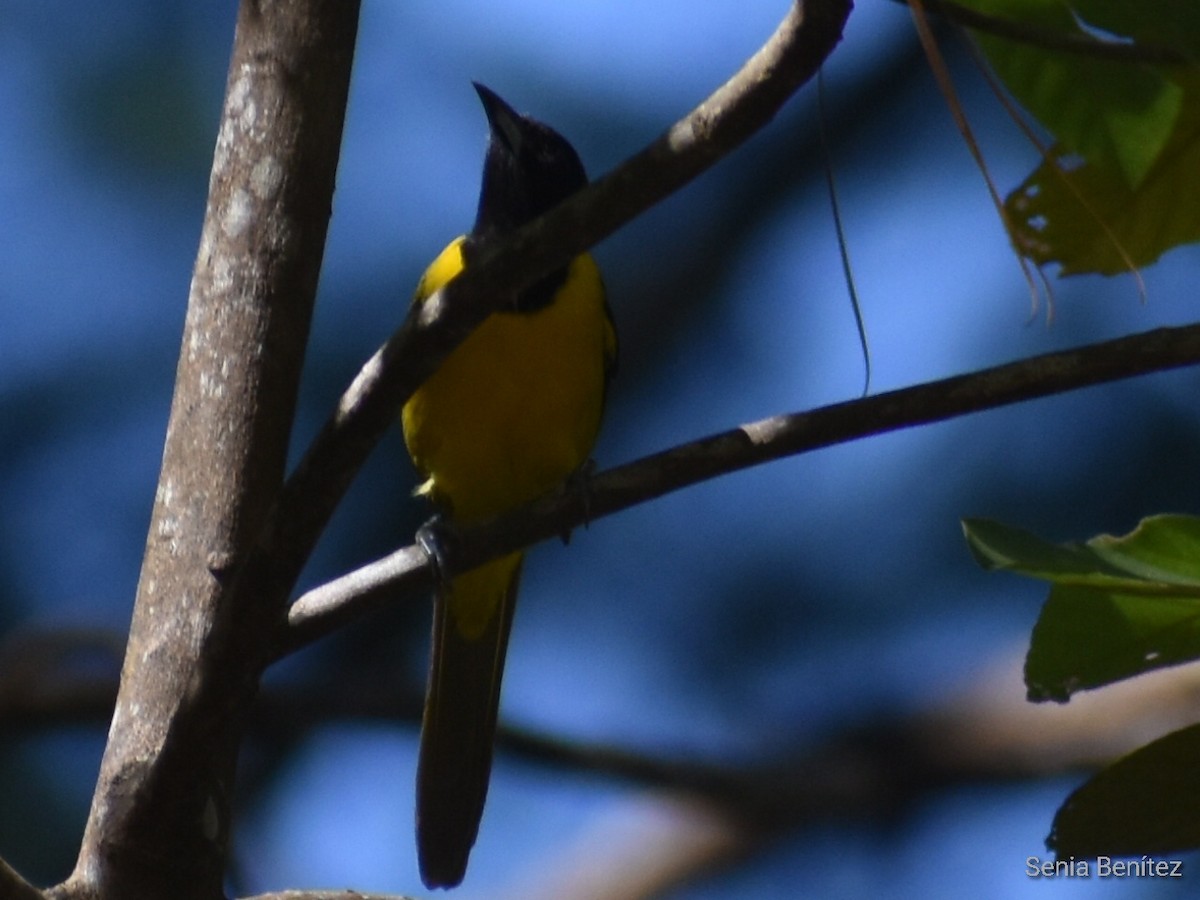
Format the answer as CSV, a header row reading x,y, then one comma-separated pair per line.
x,y
471,623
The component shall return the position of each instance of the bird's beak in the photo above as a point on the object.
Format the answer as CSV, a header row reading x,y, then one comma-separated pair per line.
x,y
505,122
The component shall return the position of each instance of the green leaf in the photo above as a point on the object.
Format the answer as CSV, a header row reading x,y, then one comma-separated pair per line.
x,y
1119,188
1174,24
1144,803
1118,606
1000,547
1116,115
1162,548
1087,217
1088,637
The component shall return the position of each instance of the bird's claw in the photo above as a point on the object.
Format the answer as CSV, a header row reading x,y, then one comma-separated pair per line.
x,y
579,482
435,538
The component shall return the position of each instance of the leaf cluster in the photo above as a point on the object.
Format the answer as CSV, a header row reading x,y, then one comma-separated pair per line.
x,y
1117,188
1118,607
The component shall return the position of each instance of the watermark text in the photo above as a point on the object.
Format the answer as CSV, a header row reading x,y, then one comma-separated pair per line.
x,y
1103,867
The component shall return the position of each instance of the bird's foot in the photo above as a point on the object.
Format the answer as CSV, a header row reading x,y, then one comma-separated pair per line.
x,y
579,483
436,538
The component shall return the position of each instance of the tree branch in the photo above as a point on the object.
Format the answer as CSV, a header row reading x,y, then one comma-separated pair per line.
x,y
1079,43
49,677
735,111
14,887
159,821
983,733
985,730
330,605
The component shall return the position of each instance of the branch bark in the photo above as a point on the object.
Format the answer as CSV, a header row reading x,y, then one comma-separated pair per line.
x,y
159,821
14,887
329,606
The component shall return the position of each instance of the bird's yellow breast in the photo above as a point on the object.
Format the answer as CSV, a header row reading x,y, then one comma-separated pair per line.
x,y
516,407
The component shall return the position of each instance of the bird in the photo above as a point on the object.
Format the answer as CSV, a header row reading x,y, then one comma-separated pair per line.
x,y
511,414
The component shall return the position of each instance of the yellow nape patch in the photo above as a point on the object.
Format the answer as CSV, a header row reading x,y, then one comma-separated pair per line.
x,y
448,264
477,596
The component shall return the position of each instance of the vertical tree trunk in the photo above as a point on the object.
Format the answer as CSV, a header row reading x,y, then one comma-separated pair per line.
x,y
159,822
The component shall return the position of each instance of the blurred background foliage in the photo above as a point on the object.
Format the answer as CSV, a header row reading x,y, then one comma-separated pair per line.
x,y
761,611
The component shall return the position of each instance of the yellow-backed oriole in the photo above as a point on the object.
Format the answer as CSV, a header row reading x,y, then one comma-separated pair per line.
x,y
509,415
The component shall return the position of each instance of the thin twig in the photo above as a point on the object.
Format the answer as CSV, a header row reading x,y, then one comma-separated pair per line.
x,y
843,242
941,74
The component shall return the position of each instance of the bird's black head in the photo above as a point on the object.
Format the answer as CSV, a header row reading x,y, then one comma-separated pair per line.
x,y
529,169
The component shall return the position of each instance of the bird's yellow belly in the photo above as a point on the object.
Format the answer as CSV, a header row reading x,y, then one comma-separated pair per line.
x,y
515,409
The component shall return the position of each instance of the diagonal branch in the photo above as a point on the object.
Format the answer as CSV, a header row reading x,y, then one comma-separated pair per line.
x,y
325,608
14,887
738,109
